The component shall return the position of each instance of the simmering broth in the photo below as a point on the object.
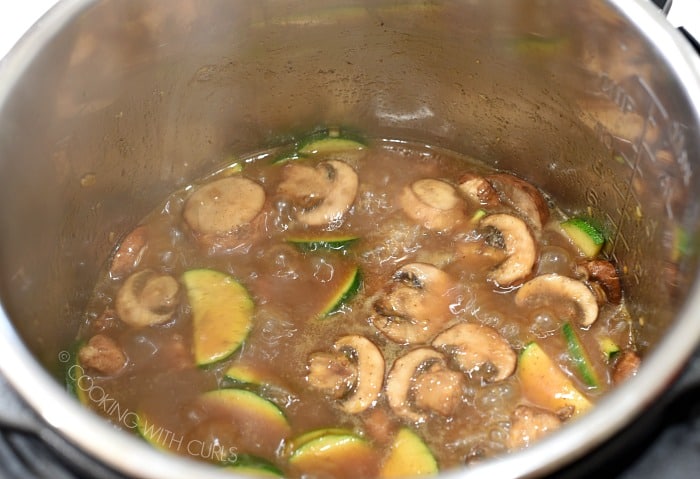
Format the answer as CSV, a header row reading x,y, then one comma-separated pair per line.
x,y
337,306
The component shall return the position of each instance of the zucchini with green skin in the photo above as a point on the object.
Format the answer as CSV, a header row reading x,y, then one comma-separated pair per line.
x,y
579,357
262,383
328,142
544,384
309,436
585,235
408,456
75,373
314,243
332,455
240,374
249,465
222,312
157,436
609,348
347,288
330,145
325,142
234,402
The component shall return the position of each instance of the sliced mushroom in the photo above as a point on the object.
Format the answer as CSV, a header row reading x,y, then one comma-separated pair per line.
x,y
353,372
331,372
528,424
519,246
478,190
475,346
129,253
603,273
370,372
147,298
523,197
572,298
323,193
102,354
415,305
432,203
220,212
626,366
420,382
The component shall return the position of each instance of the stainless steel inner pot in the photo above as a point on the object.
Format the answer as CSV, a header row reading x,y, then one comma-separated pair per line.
x,y
107,106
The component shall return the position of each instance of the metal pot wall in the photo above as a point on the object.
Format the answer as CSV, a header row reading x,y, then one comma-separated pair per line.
x,y
109,105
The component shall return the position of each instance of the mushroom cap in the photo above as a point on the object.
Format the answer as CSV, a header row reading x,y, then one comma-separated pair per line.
x,y
401,377
433,203
560,292
477,189
604,274
475,345
415,305
147,298
221,207
370,372
325,192
519,245
523,197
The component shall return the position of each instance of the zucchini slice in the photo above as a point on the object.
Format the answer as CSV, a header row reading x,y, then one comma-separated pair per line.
x,y
478,214
329,141
154,434
247,403
608,347
309,436
585,235
409,456
260,382
545,384
222,312
249,465
329,145
335,243
347,288
244,375
259,426
262,424
579,356
333,455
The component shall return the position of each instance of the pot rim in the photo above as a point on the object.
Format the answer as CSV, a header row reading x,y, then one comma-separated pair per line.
x,y
127,454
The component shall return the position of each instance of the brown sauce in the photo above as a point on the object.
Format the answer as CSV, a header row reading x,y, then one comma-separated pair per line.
x,y
291,286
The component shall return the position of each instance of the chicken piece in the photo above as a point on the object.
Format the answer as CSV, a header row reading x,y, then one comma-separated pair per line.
x,y
626,366
103,355
530,424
